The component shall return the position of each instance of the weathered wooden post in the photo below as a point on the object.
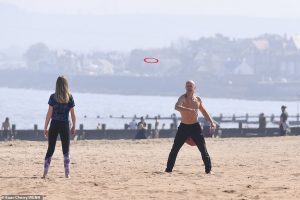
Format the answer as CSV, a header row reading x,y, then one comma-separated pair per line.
x,y
35,129
240,125
149,130
126,126
241,128
221,117
103,126
13,130
272,118
171,126
81,131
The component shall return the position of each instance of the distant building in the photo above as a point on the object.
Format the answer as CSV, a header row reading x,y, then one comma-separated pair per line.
x,y
244,69
296,40
261,44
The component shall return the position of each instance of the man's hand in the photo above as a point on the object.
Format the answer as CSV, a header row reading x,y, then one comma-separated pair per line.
x,y
213,126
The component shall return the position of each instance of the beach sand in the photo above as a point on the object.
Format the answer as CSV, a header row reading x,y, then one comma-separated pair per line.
x,y
244,168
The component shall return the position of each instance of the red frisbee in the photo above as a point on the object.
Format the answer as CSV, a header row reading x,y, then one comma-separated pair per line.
x,y
190,141
151,60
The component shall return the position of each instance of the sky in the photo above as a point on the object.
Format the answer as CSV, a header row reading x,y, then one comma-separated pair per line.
x,y
87,25
252,8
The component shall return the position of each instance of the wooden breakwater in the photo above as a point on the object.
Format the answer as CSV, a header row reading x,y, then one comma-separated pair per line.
x,y
114,134
294,120
242,129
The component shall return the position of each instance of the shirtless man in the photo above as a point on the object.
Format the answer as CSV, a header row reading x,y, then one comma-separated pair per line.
x,y
188,106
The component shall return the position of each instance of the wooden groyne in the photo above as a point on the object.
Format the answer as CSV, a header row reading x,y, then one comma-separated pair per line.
x,y
116,134
242,130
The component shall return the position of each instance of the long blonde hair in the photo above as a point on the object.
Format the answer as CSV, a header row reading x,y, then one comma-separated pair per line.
x,y
62,93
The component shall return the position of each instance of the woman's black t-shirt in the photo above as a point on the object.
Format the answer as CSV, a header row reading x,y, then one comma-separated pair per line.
x,y
61,110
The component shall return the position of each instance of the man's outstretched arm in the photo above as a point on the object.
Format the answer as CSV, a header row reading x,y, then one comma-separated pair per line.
x,y
205,113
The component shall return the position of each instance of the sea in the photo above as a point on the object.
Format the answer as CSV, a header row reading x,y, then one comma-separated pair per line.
x,y
27,107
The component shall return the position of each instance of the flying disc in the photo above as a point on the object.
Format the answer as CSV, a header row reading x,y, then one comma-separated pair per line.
x,y
190,141
151,60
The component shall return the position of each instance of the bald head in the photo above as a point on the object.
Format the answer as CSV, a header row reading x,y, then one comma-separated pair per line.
x,y
191,82
190,86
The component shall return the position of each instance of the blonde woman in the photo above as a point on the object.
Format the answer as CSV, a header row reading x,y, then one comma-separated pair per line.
x,y
61,103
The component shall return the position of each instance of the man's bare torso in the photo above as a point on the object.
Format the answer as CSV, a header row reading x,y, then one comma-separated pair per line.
x,y
189,117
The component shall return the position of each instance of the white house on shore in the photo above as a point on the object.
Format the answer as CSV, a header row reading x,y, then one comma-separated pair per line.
x,y
244,69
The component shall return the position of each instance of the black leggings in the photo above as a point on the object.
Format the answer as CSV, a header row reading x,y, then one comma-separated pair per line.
x,y
61,128
185,131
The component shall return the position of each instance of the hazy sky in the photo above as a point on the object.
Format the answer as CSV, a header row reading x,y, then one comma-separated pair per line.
x,y
82,24
256,8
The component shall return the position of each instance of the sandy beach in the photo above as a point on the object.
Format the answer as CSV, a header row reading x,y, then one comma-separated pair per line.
x,y
243,168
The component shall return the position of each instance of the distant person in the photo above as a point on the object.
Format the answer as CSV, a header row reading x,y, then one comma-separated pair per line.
x,y
141,129
272,118
133,125
163,126
156,130
188,106
283,124
175,121
61,103
262,123
6,129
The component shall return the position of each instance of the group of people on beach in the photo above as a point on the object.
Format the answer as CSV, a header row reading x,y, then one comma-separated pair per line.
x,y
141,128
61,103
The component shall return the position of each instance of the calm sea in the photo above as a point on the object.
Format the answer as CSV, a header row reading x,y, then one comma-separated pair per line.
x,y
26,107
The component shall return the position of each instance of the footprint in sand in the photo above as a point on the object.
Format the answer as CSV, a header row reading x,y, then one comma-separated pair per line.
x,y
229,191
279,188
157,172
296,174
